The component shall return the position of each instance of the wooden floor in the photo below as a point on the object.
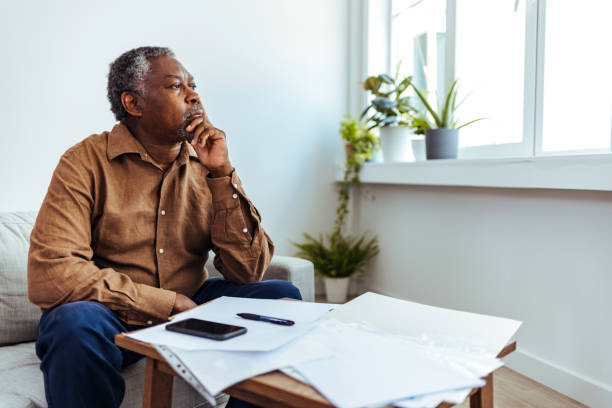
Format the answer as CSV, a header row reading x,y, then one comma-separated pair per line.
x,y
513,390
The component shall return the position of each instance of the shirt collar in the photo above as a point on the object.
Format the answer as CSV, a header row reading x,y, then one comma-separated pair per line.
x,y
121,141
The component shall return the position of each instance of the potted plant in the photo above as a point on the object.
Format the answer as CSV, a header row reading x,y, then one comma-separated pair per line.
x,y
392,113
442,133
360,143
338,256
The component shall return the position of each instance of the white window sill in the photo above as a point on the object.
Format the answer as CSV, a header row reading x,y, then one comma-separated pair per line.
x,y
584,172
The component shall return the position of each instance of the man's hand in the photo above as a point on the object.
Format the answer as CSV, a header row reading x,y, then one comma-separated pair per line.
x,y
210,146
182,303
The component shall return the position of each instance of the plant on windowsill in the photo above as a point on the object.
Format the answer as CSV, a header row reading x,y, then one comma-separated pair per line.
x,y
338,256
442,133
394,115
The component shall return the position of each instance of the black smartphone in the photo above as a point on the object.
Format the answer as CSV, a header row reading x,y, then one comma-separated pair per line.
x,y
204,328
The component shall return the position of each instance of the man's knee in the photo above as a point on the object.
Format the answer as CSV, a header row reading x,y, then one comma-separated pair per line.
x,y
284,289
72,323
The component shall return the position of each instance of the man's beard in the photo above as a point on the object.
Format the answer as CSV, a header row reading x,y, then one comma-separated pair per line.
x,y
183,134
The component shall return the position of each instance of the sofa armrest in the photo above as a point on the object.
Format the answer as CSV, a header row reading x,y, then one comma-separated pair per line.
x,y
298,271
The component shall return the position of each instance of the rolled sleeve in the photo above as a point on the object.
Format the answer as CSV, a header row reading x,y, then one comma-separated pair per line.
x,y
242,247
155,303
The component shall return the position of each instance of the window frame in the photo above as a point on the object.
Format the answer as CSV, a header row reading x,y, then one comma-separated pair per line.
x,y
533,86
516,165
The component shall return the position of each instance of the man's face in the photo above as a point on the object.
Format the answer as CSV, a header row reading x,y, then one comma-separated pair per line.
x,y
170,102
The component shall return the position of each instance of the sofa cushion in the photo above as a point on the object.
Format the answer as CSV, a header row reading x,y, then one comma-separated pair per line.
x,y
23,386
19,317
21,378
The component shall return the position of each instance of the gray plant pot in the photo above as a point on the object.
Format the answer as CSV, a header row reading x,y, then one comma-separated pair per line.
x,y
442,143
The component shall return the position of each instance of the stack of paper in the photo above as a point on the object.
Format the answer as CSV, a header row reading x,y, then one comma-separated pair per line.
x,y
370,352
260,336
419,359
210,366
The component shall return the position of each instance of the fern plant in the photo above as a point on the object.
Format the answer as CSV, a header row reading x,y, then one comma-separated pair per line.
x,y
338,256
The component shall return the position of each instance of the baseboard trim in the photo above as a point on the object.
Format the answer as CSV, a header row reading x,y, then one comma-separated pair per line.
x,y
579,387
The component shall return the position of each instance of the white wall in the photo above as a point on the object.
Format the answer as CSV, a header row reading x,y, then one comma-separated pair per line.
x,y
272,74
542,257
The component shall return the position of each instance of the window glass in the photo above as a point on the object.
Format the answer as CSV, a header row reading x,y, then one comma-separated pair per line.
x,y
577,110
418,32
490,65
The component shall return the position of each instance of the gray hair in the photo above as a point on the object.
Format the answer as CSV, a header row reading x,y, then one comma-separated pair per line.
x,y
127,74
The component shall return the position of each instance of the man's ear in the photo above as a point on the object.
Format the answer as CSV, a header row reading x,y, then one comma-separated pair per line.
x,y
130,103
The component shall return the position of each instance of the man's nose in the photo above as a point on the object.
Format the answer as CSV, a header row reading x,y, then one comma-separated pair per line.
x,y
193,98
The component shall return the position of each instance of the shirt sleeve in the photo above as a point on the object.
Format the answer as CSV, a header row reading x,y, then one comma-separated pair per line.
x,y
60,265
242,248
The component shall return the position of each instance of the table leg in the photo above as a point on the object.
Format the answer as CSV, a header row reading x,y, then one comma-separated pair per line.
x,y
157,387
483,398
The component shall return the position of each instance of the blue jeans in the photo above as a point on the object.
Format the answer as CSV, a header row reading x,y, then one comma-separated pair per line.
x,y
82,365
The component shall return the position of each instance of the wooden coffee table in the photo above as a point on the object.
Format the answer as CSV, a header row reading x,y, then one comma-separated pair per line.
x,y
271,390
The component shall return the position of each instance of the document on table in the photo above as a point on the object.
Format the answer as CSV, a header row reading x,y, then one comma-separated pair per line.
x,y
385,368
424,354
212,371
435,399
260,336
471,332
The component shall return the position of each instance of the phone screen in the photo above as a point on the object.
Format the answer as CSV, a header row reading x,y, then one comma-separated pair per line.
x,y
205,328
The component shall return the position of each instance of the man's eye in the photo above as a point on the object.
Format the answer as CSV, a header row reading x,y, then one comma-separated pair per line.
x,y
175,86
193,86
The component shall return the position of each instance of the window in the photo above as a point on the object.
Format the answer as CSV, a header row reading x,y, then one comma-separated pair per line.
x,y
538,71
577,105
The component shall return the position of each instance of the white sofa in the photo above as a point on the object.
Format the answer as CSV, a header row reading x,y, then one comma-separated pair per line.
x,y
21,381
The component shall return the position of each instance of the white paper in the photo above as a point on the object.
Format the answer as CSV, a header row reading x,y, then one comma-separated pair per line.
x,y
422,401
185,372
433,400
471,332
216,370
260,336
371,368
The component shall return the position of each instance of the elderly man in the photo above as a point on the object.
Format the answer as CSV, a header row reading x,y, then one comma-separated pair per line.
x,y
124,231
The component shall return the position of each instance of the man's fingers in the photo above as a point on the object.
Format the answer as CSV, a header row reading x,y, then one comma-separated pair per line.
x,y
194,123
201,140
199,130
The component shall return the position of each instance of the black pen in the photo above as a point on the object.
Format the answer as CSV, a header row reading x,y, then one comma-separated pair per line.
x,y
275,320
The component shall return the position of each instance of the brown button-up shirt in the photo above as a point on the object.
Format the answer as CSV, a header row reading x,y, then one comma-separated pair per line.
x,y
116,228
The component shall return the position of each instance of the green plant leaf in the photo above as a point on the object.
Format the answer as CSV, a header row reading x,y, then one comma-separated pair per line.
x,y
427,106
365,111
391,120
383,104
337,255
446,116
372,83
470,122
386,79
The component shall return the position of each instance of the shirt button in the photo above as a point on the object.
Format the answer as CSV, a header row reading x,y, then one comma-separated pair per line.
x,y
161,250
163,212
245,230
149,322
234,195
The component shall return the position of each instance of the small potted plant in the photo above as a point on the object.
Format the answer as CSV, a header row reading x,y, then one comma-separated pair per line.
x,y
337,256
392,113
442,132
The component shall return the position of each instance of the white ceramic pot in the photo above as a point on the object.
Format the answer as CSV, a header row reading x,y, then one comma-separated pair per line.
x,y
418,147
395,142
336,289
